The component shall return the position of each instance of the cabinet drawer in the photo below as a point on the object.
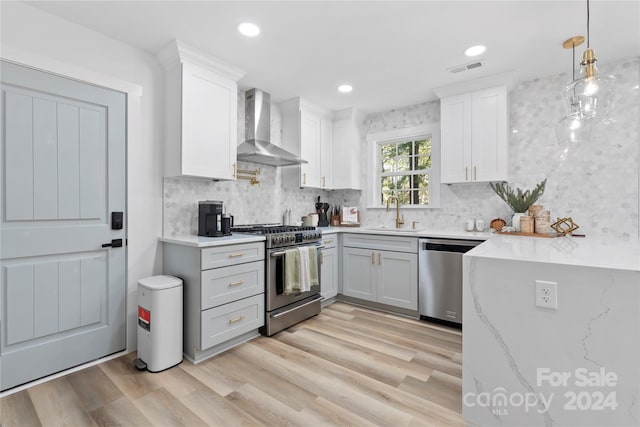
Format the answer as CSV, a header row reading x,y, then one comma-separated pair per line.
x,y
223,256
382,243
329,241
230,320
227,284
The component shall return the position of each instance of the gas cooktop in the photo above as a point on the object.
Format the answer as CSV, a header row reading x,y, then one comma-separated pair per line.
x,y
281,235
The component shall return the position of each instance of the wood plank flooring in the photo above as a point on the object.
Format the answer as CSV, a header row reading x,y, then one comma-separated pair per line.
x,y
346,366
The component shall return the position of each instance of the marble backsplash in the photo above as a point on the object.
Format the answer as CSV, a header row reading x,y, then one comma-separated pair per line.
x,y
594,183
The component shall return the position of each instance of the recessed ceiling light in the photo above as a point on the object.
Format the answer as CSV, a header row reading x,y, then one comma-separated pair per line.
x,y
345,88
249,29
475,50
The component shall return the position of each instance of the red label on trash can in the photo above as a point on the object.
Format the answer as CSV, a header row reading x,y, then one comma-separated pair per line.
x,y
144,318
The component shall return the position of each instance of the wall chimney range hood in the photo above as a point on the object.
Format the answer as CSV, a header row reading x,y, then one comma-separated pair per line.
x,y
257,147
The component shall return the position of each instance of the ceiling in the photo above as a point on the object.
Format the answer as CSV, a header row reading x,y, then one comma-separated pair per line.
x,y
392,52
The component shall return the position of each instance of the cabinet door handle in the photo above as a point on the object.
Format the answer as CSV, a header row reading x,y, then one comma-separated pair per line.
x,y
379,259
236,255
237,319
466,173
304,179
321,258
475,173
235,170
323,182
237,283
373,259
326,242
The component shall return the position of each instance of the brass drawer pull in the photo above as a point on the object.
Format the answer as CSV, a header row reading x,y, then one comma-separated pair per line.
x,y
236,255
326,242
237,319
304,179
321,258
323,182
373,259
238,283
466,173
475,173
379,258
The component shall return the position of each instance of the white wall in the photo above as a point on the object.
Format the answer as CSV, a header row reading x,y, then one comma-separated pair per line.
x,y
595,183
33,37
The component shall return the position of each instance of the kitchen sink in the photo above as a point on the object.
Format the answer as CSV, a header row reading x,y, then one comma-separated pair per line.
x,y
394,230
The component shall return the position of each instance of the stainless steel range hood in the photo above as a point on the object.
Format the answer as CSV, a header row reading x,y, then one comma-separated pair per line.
x,y
257,147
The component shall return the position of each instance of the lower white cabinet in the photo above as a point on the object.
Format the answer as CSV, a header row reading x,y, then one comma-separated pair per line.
x,y
223,323
380,275
223,294
329,268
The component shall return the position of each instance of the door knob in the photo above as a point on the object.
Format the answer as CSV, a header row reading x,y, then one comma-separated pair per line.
x,y
115,243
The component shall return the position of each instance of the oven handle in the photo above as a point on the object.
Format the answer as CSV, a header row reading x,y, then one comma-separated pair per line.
x,y
275,316
276,254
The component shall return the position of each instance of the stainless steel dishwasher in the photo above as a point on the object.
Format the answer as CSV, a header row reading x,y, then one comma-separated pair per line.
x,y
440,278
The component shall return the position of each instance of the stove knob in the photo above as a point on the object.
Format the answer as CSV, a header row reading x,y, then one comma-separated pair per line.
x,y
281,239
291,239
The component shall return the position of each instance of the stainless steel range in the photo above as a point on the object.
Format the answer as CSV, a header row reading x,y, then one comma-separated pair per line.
x,y
286,309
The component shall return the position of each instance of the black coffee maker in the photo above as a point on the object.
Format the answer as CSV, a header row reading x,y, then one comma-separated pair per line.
x,y
210,218
321,210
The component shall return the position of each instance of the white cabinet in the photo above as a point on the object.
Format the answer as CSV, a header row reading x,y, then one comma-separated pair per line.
x,y
474,136
201,103
223,294
474,121
329,267
347,149
307,131
373,272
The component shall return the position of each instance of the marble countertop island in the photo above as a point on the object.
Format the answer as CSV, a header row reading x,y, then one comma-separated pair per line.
x,y
577,364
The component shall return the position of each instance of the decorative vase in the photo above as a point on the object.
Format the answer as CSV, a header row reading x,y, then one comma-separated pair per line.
x,y
515,220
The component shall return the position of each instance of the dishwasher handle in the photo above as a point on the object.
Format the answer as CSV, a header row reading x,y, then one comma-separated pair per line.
x,y
447,247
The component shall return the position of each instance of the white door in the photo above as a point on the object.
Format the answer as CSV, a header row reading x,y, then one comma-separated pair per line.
x,y
63,174
397,279
359,274
455,139
489,129
310,149
329,273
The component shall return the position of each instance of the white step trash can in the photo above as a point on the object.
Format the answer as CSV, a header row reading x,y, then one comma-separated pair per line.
x,y
159,323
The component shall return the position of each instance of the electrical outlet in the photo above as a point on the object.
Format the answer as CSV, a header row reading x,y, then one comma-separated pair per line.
x,y
546,294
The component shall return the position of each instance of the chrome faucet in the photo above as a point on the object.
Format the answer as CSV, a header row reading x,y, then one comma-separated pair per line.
x,y
391,199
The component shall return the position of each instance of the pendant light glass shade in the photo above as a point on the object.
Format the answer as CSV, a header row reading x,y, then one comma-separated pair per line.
x,y
593,90
574,127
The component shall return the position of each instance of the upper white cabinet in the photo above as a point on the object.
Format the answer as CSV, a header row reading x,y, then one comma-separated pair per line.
x,y
474,129
307,131
201,104
347,149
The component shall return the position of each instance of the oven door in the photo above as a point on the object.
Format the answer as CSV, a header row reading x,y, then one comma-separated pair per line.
x,y
276,298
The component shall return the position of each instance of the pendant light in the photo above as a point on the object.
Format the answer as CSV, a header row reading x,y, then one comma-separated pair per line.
x,y
574,127
593,90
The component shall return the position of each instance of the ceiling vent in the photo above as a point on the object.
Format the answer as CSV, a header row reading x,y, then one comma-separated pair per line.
x,y
465,67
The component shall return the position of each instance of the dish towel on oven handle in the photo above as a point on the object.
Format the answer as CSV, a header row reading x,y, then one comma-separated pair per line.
x,y
291,271
301,269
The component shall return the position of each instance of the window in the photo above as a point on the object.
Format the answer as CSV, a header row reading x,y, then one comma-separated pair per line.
x,y
404,171
405,164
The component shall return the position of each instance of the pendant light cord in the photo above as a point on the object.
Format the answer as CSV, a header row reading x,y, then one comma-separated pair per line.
x,y
588,17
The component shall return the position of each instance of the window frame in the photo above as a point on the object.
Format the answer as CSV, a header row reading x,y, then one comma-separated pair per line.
x,y
403,135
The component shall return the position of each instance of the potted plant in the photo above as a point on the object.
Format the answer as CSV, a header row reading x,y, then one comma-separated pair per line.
x,y
518,200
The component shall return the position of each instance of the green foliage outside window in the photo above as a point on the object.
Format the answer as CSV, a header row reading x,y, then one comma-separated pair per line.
x,y
404,171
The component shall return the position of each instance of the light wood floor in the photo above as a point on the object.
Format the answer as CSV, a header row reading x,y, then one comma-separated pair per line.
x,y
346,366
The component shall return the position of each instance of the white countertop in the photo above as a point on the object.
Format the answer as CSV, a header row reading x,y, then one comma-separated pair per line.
x,y
207,242
578,251
441,234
